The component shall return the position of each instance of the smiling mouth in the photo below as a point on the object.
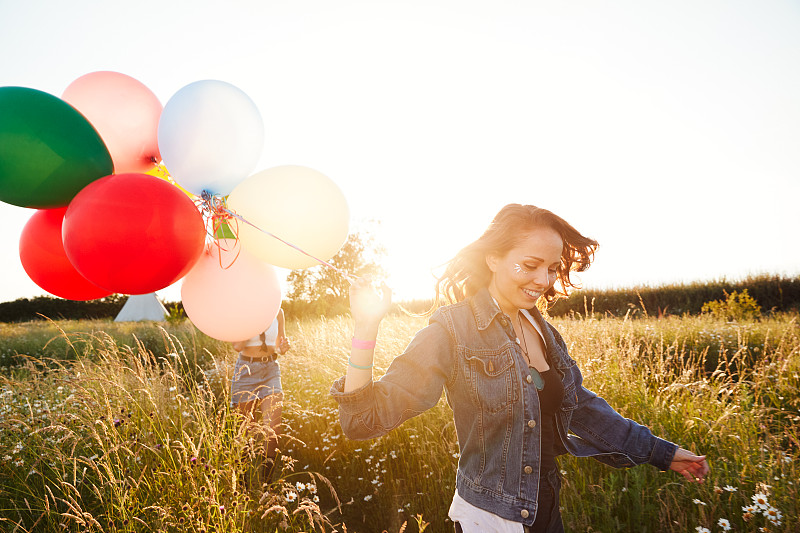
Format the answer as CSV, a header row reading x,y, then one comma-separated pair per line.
x,y
532,294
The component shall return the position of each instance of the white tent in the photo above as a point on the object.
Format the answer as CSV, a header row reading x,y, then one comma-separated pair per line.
x,y
142,307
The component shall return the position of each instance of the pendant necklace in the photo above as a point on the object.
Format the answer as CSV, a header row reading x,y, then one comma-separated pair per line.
x,y
538,380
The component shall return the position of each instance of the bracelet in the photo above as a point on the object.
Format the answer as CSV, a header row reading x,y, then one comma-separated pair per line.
x,y
360,367
363,345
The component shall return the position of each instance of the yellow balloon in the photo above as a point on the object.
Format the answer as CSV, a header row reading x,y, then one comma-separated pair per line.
x,y
299,205
160,171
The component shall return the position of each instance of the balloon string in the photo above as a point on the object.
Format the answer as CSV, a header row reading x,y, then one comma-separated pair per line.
x,y
213,208
216,209
348,277
216,224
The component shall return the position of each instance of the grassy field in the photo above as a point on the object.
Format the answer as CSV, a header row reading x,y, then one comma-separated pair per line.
x,y
127,427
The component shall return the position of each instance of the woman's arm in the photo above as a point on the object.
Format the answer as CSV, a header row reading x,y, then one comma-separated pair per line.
x,y
367,308
281,323
413,383
597,422
281,341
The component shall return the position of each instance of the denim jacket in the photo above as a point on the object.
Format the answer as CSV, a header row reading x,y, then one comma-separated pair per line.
x,y
469,349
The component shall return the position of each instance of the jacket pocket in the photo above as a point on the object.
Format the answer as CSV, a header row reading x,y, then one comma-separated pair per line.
x,y
491,377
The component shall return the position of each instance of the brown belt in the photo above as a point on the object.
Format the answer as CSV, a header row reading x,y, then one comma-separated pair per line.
x,y
260,359
267,359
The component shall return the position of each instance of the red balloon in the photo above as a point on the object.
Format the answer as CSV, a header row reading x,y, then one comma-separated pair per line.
x,y
43,258
133,233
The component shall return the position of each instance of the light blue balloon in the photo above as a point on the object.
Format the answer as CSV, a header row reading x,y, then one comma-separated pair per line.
x,y
210,136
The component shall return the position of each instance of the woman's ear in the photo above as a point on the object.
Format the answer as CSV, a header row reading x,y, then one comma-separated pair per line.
x,y
491,262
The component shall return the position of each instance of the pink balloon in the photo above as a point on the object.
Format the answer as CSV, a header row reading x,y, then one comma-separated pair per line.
x,y
124,112
229,297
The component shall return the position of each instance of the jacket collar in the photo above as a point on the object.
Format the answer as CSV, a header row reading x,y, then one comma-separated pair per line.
x,y
484,308
556,353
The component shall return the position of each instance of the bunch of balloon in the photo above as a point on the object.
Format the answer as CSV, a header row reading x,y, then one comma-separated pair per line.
x,y
102,226
289,216
210,136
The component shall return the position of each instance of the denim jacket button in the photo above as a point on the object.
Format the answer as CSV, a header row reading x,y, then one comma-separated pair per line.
x,y
528,470
529,378
504,321
524,513
531,423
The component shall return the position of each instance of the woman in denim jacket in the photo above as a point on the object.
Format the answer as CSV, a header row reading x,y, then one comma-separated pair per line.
x,y
517,396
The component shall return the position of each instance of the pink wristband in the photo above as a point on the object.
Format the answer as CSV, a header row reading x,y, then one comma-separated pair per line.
x,y
363,345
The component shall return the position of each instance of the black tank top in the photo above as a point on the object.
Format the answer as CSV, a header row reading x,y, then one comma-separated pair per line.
x,y
550,398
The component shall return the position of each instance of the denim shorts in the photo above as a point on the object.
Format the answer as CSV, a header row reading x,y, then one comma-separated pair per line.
x,y
254,381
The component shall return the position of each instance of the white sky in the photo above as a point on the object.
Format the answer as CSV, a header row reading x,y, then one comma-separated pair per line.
x,y
668,131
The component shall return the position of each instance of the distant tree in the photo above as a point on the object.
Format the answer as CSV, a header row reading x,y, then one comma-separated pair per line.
x,y
325,290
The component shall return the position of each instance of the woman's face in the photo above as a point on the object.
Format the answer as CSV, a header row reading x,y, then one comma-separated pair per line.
x,y
527,271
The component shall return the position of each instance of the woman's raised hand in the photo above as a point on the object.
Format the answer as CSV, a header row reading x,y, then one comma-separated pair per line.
x,y
369,304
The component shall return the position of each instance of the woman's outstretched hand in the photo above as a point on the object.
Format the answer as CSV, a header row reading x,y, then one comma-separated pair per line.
x,y
368,306
693,467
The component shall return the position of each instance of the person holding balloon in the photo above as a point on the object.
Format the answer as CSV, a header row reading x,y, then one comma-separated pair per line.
x,y
256,390
517,396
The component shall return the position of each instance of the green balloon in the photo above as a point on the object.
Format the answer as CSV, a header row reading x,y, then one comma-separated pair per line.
x,y
224,231
48,150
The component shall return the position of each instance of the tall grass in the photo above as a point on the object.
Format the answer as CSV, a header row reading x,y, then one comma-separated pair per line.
x,y
121,440
98,432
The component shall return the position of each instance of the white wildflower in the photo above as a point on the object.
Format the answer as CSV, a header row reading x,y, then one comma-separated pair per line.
x,y
760,500
773,515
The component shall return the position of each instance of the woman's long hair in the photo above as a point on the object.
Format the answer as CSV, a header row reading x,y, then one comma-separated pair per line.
x,y
468,272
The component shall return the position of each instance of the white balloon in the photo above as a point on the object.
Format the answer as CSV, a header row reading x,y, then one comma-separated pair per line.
x,y
210,136
299,205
